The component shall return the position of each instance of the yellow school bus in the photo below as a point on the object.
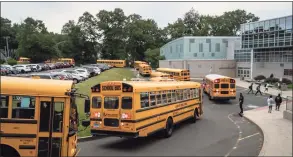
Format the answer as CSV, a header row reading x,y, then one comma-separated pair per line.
x,y
23,60
161,74
220,87
114,63
71,61
145,69
38,117
178,74
139,109
137,63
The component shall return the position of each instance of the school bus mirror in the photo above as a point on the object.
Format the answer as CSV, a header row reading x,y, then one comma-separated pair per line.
x,y
87,104
85,123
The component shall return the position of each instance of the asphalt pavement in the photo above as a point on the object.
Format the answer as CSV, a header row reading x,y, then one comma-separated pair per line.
x,y
220,132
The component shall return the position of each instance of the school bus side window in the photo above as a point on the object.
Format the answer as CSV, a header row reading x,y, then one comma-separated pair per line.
x,y
159,97
127,102
173,96
23,107
188,93
144,100
97,102
4,106
164,97
178,98
169,96
153,98
191,93
196,93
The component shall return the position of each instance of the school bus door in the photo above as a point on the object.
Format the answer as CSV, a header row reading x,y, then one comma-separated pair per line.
x,y
51,120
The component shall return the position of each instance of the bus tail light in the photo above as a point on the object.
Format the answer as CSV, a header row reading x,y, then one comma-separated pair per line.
x,y
217,81
232,81
125,116
97,114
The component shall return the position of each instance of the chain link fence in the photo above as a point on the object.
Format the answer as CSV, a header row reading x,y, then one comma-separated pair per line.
x,y
289,103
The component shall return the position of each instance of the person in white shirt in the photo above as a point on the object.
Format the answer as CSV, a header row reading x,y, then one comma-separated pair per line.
x,y
270,102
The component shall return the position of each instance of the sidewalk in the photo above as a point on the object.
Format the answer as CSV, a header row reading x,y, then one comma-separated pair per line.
x,y
277,131
272,91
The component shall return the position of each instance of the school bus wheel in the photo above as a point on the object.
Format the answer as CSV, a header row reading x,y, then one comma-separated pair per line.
x,y
195,115
9,151
169,127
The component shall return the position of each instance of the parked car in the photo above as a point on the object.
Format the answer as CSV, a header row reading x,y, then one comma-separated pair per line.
x,y
4,70
51,66
78,77
92,69
44,66
103,67
35,67
11,69
75,78
22,68
83,71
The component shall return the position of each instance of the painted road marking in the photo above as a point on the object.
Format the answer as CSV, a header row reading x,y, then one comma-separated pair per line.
x,y
248,136
252,106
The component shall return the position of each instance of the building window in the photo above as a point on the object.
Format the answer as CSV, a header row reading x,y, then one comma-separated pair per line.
x,y
170,49
195,55
272,25
208,40
288,72
190,42
213,54
203,55
201,47
289,23
267,26
282,24
217,47
181,47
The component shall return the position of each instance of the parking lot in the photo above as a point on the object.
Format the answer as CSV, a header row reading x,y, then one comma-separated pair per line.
x,y
56,71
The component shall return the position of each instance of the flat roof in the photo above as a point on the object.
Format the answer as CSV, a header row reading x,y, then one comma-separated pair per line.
x,y
200,37
198,60
215,76
265,20
34,87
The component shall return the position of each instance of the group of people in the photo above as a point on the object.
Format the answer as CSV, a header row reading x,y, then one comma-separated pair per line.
x,y
258,89
278,100
270,102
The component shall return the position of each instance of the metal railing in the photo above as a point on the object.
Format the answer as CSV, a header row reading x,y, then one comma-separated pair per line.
x,y
289,103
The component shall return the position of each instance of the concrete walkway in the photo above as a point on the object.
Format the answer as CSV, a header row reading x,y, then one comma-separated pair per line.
x,y
277,130
271,91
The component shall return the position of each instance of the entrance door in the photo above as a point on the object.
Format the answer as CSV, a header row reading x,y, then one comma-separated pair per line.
x,y
50,127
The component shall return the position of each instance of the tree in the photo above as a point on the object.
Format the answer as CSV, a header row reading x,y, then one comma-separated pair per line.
x,y
153,56
34,41
111,24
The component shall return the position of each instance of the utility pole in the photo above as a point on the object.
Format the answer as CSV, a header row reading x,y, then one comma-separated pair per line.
x,y
7,46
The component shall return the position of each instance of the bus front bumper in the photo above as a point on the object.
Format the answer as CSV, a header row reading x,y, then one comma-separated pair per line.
x,y
115,133
224,98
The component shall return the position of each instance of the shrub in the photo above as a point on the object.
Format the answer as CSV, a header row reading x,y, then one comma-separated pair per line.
x,y
286,81
259,77
271,80
272,76
11,61
2,61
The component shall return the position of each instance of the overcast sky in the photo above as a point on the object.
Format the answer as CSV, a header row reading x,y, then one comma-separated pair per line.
x,y
56,14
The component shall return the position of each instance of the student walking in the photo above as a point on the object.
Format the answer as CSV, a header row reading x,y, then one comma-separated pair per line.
x,y
266,87
258,90
250,88
270,102
241,100
278,101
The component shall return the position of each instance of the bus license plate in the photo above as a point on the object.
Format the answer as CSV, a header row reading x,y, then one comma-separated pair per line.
x,y
96,125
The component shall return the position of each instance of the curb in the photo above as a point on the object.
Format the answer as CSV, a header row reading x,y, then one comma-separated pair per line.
x,y
262,151
89,138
